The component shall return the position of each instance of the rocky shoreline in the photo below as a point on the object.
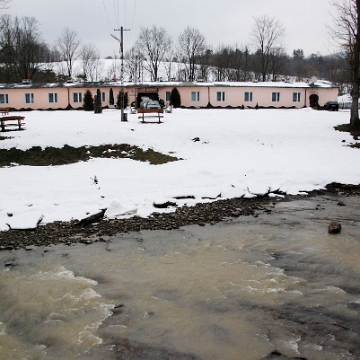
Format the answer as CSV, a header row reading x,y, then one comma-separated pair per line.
x,y
96,228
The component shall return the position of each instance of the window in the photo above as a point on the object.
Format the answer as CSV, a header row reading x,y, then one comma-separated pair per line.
x,y
77,97
220,96
167,96
52,97
4,99
296,97
248,96
195,96
275,96
29,98
103,97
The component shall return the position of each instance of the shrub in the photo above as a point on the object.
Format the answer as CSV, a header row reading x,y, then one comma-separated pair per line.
x,y
88,103
124,96
175,98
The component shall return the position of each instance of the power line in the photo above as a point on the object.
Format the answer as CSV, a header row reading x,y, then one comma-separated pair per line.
x,y
116,12
132,24
125,14
107,16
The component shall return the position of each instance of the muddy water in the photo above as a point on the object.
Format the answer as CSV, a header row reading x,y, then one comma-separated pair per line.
x,y
236,290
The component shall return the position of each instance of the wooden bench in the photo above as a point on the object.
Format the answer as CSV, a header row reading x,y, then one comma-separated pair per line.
x,y
151,113
5,111
5,119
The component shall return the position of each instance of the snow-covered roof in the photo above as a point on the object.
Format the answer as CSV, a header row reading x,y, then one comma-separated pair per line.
x,y
81,84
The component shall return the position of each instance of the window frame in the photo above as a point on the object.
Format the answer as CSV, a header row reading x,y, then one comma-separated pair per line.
x,y
53,98
275,96
4,98
248,96
195,96
29,98
167,96
77,97
296,97
220,96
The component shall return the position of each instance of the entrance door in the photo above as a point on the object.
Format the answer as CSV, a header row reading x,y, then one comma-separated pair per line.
x,y
314,100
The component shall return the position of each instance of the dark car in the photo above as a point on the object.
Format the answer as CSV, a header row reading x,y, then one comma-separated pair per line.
x,y
331,105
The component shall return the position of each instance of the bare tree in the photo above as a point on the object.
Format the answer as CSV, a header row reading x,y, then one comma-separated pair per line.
x,y
68,44
154,44
277,62
191,46
346,32
205,62
168,65
4,4
90,57
134,60
22,48
267,33
222,63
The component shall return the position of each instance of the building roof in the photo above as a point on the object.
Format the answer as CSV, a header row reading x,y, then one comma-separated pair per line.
x,y
81,84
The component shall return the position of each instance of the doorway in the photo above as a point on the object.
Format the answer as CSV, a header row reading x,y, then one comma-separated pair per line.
x,y
314,101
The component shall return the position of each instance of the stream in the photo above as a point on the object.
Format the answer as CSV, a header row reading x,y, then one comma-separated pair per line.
x,y
239,289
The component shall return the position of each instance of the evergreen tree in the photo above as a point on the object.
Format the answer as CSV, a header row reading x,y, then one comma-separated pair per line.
x,y
122,96
175,98
111,97
97,102
88,103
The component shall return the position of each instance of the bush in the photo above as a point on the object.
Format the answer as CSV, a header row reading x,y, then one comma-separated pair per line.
x,y
88,103
125,97
175,98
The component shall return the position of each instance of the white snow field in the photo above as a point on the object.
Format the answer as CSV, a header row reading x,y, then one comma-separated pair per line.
x,y
239,153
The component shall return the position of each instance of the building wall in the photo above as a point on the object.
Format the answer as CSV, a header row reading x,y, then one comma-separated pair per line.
x,y
191,96
234,96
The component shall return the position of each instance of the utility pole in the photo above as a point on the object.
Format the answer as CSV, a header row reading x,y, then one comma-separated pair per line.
x,y
121,50
135,80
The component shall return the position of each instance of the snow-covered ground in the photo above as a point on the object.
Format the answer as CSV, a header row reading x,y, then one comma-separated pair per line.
x,y
240,153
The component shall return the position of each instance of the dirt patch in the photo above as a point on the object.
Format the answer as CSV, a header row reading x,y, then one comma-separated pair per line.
x,y
36,156
355,132
4,137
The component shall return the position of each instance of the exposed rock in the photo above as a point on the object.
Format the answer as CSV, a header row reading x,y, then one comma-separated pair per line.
x,y
235,214
76,231
85,241
98,228
10,263
279,356
164,205
334,227
92,218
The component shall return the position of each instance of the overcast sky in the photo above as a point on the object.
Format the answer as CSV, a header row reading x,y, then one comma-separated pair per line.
x,y
225,22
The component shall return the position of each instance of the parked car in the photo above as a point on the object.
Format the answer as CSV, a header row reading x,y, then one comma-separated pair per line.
x,y
331,105
150,104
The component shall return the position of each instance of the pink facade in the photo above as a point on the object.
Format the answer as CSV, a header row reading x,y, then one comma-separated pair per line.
x,y
250,96
192,94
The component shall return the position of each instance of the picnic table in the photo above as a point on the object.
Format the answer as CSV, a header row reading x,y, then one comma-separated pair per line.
x,y
9,121
151,113
4,110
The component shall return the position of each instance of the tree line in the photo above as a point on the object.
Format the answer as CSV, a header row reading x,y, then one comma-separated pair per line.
x,y
23,53
264,60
